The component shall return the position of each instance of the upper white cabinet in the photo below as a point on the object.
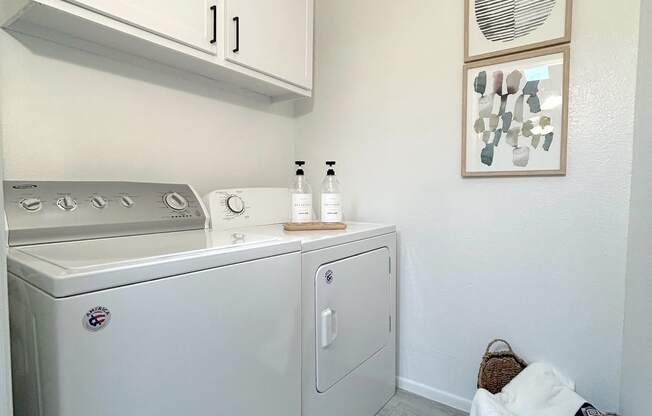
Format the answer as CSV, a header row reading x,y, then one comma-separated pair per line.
x,y
264,46
273,37
190,22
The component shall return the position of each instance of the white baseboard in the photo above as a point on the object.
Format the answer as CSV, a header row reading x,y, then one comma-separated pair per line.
x,y
434,394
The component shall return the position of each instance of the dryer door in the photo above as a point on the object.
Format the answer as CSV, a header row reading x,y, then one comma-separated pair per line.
x,y
352,314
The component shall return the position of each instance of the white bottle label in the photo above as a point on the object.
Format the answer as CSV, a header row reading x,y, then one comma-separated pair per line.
x,y
331,207
301,208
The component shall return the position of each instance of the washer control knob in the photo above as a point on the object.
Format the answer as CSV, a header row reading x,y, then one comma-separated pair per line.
x,y
67,203
175,201
235,204
98,202
31,204
127,201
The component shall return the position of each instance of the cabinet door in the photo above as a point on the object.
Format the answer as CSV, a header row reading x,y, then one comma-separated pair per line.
x,y
190,22
273,37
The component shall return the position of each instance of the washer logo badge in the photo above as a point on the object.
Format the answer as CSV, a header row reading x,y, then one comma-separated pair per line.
x,y
329,277
97,318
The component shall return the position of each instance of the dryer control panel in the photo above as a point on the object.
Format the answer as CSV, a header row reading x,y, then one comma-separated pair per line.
x,y
248,207
46,212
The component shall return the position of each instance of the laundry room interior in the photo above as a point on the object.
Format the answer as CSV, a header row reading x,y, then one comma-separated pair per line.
x,y
294,208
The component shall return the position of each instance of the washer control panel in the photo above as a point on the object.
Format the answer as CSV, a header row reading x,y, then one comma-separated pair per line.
x,y
248,207
44,212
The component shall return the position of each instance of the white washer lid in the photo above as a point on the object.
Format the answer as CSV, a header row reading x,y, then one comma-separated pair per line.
x,y
71,268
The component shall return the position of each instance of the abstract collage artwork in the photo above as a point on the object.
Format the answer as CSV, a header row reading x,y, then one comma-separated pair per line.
x,y
515,110
501,27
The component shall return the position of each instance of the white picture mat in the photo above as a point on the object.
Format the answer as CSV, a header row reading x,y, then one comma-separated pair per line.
x,y
553,28
550,91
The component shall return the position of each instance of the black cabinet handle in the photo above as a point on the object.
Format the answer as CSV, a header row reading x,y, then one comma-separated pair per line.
x,y
237,34
214,10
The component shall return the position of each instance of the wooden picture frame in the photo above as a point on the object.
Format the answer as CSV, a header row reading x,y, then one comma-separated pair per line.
x,y
534,40
560,133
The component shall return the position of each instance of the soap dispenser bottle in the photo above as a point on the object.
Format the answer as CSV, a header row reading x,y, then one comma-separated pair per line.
x,y
301,197
331,197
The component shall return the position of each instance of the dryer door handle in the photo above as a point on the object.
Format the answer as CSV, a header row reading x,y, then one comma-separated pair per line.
x,y
328,328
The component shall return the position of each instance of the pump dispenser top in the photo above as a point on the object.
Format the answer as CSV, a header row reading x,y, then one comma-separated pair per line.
x,y
331,196
301,197
331,171
300,164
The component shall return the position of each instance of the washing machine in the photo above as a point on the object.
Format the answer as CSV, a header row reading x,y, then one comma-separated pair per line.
x,y
348,301
123,303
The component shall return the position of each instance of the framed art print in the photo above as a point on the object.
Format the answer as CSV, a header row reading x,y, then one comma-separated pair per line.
x,y
515,115
501,27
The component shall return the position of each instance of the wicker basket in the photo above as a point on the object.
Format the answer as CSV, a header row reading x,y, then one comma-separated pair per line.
x,y
499,368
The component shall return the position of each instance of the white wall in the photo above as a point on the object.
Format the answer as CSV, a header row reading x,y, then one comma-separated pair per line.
x,y
69,114
539,261
637,362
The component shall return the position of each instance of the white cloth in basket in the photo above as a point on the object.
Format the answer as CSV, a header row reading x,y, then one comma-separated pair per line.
x,y
540,390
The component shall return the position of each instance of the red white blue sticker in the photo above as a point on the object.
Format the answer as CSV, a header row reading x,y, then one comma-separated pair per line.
x,y
97,318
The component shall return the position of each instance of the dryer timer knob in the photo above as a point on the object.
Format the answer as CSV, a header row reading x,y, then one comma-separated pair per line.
x,y
235,204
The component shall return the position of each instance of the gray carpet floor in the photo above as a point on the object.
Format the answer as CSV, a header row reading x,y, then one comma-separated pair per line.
x,y
408,404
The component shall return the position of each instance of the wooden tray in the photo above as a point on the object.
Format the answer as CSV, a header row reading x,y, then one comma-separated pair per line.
x,y
314,226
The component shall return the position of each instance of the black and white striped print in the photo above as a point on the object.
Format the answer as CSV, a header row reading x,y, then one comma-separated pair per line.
x,y
507,20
